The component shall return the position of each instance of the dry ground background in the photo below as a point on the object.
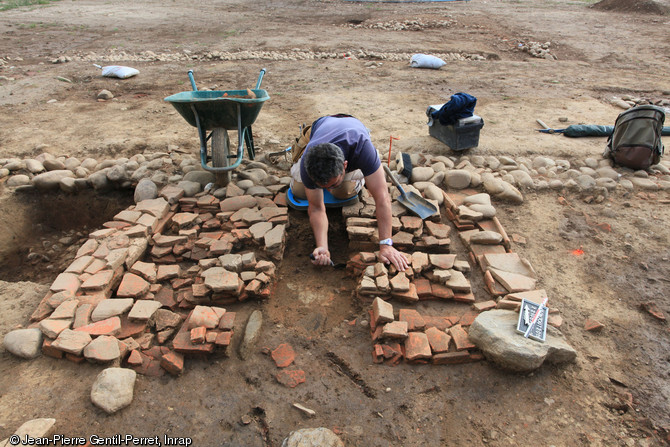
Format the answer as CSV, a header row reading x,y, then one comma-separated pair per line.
x,y
601,53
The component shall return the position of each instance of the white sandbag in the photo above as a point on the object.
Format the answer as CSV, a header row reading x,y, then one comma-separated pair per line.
x,y
118,71
426,61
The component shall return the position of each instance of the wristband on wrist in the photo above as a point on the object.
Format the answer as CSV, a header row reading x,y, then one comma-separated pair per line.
x,y
388,241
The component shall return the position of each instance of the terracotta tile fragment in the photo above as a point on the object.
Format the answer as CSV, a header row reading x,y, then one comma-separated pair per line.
x,y
283,355
291,378
460,337
592,325
415,321
417,346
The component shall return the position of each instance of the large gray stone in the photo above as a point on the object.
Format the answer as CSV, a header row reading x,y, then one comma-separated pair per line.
x,y
644,183
118,173
494,332
99,181
200,176
457,179
50,180
510,194
251,333
190,188
312,437
113,389
422,173
25,343
522,178
492,185
146,189
34,166
35,428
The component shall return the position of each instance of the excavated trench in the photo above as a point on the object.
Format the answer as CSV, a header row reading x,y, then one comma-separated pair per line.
x,y
41,232
309,299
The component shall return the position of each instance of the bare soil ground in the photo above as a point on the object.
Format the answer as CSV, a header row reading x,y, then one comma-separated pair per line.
x,y
605,51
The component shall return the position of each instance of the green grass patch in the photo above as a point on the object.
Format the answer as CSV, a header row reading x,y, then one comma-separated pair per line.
x,y
6,5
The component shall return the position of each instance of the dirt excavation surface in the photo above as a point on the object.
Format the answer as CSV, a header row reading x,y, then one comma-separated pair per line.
x,y
601,253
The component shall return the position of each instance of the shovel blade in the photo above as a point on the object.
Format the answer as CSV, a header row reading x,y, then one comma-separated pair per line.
x,y
417,205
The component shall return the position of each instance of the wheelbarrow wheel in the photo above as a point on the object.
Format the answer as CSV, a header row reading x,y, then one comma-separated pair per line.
x,y
220,154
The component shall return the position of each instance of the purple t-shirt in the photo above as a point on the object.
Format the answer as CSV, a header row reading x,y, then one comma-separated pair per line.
x,y
352,137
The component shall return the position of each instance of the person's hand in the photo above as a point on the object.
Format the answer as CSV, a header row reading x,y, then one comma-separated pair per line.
x,y
321,256
389,254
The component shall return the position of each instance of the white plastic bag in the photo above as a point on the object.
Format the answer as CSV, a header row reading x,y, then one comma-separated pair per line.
x,y
426,61
118,71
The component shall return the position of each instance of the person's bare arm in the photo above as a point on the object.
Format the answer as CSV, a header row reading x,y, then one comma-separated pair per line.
x,y
376,184
318,219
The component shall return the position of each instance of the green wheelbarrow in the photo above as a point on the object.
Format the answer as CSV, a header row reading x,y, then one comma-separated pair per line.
x,y
217,112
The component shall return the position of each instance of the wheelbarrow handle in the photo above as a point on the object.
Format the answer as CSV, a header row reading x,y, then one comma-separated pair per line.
x,y
190,76
260,78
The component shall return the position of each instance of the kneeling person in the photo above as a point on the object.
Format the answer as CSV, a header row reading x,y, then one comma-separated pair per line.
x,y
341,158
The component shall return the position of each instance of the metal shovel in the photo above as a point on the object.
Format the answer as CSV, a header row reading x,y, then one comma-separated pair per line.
x,y
413,202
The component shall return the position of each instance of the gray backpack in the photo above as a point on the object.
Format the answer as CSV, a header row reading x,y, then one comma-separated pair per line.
x,y
635,141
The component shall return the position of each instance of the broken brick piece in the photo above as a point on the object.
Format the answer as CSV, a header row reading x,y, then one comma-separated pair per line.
x,y
284,355
198,335
223,338
423,288
50,351
484,306
417,347
438,340
382,311
464,297
415,321
460,337
182,343
227,321
442,292
377,354
135,358
395,330
592,325
291,378
441,323
451,358
391,350
468,317
654,310
410,296
173,362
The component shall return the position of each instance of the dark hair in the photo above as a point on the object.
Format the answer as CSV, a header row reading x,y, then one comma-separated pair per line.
x,y
323,162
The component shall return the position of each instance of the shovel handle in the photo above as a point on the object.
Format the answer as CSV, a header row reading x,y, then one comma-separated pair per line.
x,y
393,179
